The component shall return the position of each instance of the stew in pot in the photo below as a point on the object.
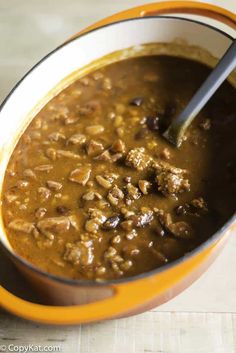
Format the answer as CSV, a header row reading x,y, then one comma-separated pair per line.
x,y
93,191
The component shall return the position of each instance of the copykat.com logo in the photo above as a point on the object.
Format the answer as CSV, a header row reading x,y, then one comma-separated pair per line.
x,y
28,348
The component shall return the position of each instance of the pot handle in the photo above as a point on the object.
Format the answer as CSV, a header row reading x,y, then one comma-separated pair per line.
x,y
127,298
167,8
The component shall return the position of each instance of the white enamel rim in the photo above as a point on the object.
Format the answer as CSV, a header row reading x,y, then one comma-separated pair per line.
x,y
79,52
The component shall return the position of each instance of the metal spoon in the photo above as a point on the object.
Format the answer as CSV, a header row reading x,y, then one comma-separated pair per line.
x,y
225,66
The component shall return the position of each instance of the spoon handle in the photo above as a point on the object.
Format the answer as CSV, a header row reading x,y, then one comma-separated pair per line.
x,y
226,65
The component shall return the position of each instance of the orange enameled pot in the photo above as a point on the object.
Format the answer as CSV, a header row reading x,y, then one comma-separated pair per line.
x,y
67,301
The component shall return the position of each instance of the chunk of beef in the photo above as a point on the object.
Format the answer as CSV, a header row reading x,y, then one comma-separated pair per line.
x,y
181,230
132,193
56,136
106,156
89,108
44,193
165,219
118,146
142,219
96,218
115,195
40,212
28,173
77,139
199,204
95,213
171,184
163,166
94,148
79,253
92,195
144,186
71,119
80,175
170,180
103,181
20,225
138,159
11,195
54,226
165,154
196,207
51,153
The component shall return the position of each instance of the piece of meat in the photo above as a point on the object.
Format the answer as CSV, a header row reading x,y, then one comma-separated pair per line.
x,y
94,148
96,218
54,226
196,207
171,184
144,186
20,225
98,215
40,212
105,156
181,230
142,219
163,166
165,154
44,193
77,139
11,195
91,195
132,193
104,181
170,179
79,253
165,219
28,173
80,175
115,195
118,146
199,204
56,136
89,108
137,158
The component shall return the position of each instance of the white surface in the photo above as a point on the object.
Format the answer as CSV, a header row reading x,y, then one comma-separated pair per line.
x,y
200,320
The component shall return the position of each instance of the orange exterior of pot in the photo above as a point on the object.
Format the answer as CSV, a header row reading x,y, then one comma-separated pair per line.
x,y
136,295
